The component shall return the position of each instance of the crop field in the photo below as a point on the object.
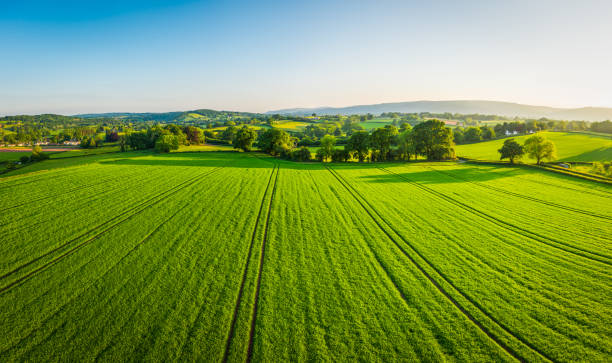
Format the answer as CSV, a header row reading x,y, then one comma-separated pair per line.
x,y
292,125
571,146
226,256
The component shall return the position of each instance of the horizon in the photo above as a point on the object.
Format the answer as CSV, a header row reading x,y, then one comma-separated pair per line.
x,y
73,58
296,108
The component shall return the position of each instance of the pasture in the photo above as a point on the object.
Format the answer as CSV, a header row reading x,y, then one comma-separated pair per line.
x,y
571,146
226,256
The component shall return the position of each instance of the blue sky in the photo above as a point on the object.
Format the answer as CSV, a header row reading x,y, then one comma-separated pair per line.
x,y
101,56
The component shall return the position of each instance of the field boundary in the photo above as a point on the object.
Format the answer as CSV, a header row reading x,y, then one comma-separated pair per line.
x,y
55,260
246,269
436,284
599,257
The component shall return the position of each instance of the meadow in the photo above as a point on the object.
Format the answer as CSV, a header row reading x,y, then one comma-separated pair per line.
x,y
571,146
227,256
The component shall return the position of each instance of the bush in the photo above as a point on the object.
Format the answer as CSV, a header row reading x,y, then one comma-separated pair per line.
x,y
165,143
340,155
24,159
301,154
320,156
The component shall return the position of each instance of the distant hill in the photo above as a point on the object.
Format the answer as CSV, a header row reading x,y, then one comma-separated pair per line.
x,y
166,116
507,109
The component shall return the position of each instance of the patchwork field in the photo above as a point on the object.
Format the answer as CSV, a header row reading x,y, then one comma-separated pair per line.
x,y
224,256
571,146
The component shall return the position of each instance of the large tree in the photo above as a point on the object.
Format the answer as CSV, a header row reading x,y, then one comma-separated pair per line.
x,y
511,150
405,144
274,141
244,138
165,143
327,146
434,140
193,135
359,143
472,134
382,139
540,148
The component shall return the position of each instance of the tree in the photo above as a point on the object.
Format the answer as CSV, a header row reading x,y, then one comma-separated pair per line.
x,y
165,143
327,146
487,132
193,135
123,143
301,154
540,148
472,134
458,135
434,140
112,136
176,131
229,133
405,144
511,150
359,143
382,139
340,155
244,138
274,141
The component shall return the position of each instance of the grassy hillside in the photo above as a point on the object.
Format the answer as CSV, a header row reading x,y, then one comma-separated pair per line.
x,y
213,256
570,147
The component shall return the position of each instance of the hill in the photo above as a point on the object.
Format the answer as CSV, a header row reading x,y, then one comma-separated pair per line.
x,y
507,109
571,146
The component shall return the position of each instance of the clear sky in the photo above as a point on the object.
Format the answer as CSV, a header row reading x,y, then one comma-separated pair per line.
x,y
100,56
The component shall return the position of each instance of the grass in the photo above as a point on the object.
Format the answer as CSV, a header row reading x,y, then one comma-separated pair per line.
x,y
376,123
292,125
223,255
571,146
13,155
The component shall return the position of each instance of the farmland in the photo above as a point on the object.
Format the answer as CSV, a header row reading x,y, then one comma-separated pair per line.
x,y
571,146
226,256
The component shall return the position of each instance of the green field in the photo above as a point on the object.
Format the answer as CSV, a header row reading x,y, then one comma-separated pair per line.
x,y
13,155
376,123
212,256
571,146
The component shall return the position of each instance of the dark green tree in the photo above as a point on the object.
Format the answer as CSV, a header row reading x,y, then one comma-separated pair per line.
x,y
382,139
244,138
359,143
472,134
327,146
433,140
274,141
511,150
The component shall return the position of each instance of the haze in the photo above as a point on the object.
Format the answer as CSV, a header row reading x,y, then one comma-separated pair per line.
x,y
68,57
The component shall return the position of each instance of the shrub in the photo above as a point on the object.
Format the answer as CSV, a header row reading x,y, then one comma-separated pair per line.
x,y
301,154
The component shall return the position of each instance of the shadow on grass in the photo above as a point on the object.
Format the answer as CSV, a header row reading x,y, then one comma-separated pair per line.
x,y
460,175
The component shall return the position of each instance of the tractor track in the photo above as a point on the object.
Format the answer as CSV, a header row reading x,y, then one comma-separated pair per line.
x,y
526,197
246,269
57,259
134,248
356,195
260,269
593,256
80,187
